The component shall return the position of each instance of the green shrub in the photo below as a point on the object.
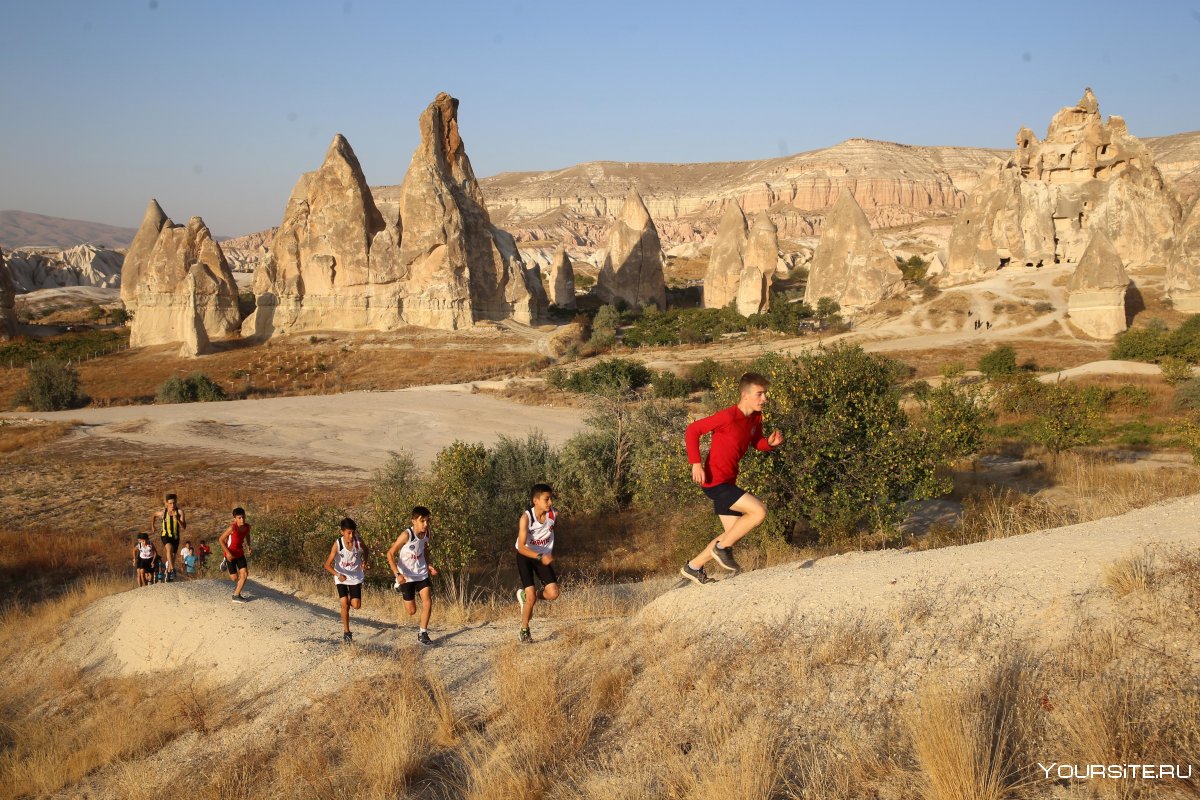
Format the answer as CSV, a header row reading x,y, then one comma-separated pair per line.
x,y
51,386
999,362
1184,342
95,313
913,268
609,375
1187,396
1141,344
1043,307
667,384
828,311
788,312
195,388
1066,417
1130,396
1018,394
1174,369
301,538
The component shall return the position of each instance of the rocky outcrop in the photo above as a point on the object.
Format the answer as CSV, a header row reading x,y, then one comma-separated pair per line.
x,y
742,263
1183,275
183,272
82,265
191,322
851,265
8,314
632,270
562,279
1096,291
1044,203
436,261
139,251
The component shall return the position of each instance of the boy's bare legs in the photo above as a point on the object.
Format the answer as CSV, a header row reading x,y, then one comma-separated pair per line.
x,y
169,553
426,607
345,609
753,514
242,574
549,593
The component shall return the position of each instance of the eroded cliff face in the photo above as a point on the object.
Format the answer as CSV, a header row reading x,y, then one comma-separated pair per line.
x,y
1043,204
632,271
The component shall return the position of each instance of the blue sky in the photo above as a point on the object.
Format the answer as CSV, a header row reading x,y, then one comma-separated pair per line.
x,y
215,108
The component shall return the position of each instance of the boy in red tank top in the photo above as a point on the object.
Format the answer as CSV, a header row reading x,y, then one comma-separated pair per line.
x,y
733,430
235,543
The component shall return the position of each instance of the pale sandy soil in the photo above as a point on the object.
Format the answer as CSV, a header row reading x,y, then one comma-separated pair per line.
x,y
356,429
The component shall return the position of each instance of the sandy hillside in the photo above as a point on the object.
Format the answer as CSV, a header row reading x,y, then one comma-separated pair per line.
x,y
355,429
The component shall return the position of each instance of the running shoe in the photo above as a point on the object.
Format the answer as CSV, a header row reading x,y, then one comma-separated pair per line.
x,y
224,565
724,557
524,636
237,598
423,638
697,576
348,638
521,597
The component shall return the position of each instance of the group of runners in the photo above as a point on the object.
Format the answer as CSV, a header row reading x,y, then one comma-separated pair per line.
x,y
734,430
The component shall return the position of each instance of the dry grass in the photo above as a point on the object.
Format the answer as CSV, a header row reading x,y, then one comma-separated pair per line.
x,y
25,436
1131,574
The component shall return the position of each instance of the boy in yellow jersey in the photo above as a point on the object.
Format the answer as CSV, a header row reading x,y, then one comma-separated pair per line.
x,y
170,523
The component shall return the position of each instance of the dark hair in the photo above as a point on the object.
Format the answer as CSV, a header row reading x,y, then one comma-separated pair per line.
x,y
348,524
752,379
421,512
239,512
143,536
539,489
171,496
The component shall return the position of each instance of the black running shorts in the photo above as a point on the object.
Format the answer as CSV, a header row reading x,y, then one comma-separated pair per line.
x,y
724,495
409,589
234,564
528,567
351,590
174,543
145,564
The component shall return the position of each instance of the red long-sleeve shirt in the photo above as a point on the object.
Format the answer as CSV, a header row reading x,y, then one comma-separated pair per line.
x,y
733,433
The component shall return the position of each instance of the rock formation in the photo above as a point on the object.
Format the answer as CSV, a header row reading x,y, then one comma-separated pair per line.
x,y
8,314
1096,291
562,279
337,262
183,271
851,265
1042,205
1183,275
191,322
742,262
83,265
633,269
139,252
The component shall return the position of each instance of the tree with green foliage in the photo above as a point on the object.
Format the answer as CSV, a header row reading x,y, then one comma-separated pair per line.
x,y
195,388
120,316
457,493
50,386
1141,344
999,362
912,268
828,311
1066,417
852,458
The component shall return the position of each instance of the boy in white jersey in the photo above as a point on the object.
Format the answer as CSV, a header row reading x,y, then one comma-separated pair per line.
x,y
143,559
409,559
535,554
347,563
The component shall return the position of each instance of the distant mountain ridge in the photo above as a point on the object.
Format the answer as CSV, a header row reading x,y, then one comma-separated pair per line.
x,y
26,229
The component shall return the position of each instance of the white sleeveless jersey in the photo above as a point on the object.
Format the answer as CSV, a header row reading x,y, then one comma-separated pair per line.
x,y
146,551
411,559
540,538
348,562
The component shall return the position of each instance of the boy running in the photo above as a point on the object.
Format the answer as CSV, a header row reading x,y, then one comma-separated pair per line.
x,y
535,554
347,563
143,559
235,544
169,521
409,559
734,429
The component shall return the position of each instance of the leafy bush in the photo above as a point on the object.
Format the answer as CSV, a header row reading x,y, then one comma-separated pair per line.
x,y
195,388
913,268
1141,344
50,386
1043,307
1174,369
683,326
301,538
667,384
1019,394
788,313
95,313
1184,342
999,362
708,372
1187,396
1129,396
120,316
609,375
828,311
68,347
1066,417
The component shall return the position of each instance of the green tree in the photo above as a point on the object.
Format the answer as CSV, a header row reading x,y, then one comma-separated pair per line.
x,y
50,386
458,496
999,362
829,312
1066,417
120,316
957,417
1141,344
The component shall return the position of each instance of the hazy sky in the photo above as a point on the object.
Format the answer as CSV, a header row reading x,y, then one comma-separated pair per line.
x,y
215,108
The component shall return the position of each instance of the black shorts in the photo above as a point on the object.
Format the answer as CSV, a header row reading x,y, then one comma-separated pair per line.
x,y
528,567
351,590
234,564
409,589
145,564
174,544
723,495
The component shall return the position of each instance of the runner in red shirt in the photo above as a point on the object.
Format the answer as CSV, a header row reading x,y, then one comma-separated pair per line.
x,y
733,430
235,542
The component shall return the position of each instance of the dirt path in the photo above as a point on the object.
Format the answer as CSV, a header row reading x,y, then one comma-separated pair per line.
x,y
357,429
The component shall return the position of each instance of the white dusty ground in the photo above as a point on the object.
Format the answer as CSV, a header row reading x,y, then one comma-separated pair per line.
x,y
357,429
